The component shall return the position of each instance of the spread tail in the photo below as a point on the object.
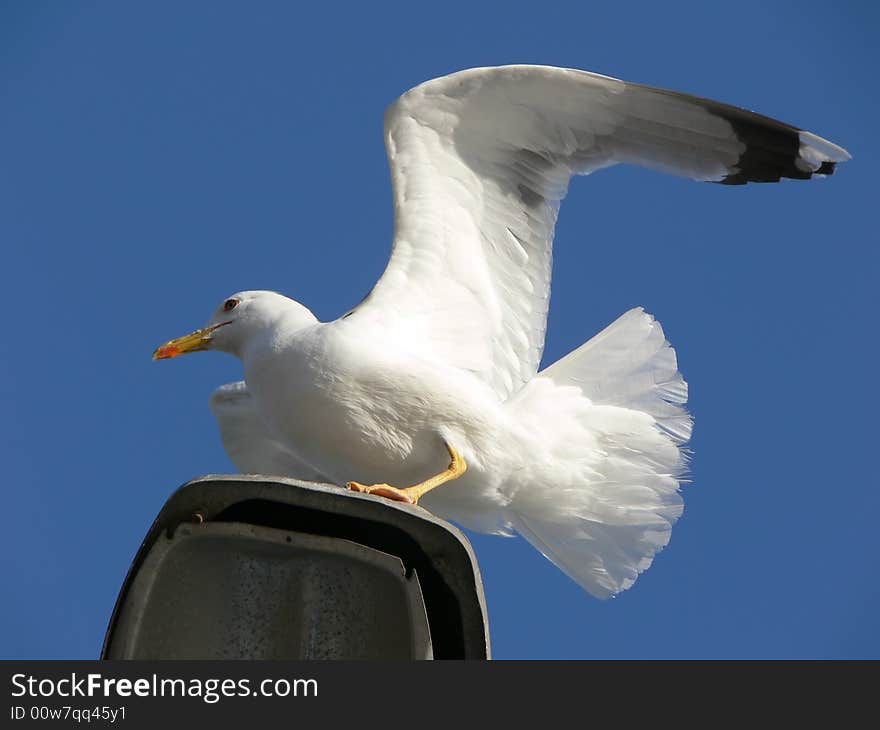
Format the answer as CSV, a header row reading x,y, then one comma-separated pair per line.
x,y
609,424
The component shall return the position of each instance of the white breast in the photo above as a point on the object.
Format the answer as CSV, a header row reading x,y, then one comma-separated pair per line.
x,y
348,408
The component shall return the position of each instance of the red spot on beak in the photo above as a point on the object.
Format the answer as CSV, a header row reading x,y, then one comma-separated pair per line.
x,y
166,351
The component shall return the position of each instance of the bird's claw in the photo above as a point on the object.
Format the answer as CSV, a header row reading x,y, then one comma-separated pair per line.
x,y
383,490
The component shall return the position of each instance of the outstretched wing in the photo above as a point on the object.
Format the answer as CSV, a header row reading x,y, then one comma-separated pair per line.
x,y
247,440
480,161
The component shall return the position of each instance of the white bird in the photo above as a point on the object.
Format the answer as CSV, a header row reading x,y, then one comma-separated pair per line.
x,y
433,379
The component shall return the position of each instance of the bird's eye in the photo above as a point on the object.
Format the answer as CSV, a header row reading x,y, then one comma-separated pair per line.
x,y
230,304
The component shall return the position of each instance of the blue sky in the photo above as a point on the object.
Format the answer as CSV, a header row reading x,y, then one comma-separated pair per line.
x,y
159,156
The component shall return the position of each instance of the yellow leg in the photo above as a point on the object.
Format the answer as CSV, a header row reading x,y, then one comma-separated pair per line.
x,y
457,467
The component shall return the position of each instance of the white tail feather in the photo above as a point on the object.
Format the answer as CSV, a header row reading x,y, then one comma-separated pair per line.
x,y
619,401
630,364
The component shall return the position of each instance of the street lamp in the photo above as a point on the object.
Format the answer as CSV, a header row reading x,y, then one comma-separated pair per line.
x,y
252,567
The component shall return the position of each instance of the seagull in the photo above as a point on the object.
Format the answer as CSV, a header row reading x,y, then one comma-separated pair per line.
x,y
429,391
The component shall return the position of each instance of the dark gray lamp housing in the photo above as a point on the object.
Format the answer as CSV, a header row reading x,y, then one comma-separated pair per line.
x,y
247,567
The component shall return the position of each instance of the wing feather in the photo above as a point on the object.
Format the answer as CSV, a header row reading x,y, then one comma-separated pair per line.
x,y
480,161
247,439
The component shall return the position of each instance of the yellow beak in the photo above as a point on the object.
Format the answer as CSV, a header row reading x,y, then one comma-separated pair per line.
x,y
193,342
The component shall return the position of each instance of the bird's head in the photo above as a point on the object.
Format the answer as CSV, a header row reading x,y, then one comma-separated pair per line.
x,y
237,319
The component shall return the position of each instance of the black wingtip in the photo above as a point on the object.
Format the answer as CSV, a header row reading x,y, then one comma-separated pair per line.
x,y
772,149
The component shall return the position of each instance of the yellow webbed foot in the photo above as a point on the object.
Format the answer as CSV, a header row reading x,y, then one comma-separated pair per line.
x,y
410,495
384,490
